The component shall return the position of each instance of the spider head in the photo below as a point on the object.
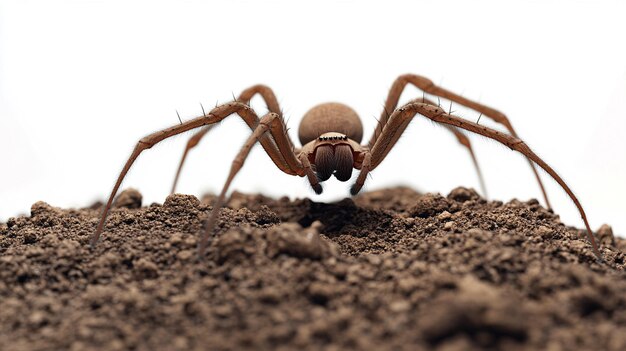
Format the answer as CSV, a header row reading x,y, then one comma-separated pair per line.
x,y
331,132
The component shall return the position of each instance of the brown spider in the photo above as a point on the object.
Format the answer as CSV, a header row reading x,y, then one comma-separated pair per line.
x,y
331,134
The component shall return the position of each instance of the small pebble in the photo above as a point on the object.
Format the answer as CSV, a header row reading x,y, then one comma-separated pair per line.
x,y
449,225
443,216
605,235
129,198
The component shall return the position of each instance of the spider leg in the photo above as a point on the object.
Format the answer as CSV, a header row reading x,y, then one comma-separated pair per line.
x,y
366,167
216,115
191,143
310,174
402,117
272,105
266,93
429,87
269,122
463,140
268,142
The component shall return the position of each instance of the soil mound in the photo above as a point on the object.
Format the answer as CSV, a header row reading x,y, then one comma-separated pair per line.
x,y
386,270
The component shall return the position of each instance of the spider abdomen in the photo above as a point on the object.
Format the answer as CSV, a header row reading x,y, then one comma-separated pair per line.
x,y
330,117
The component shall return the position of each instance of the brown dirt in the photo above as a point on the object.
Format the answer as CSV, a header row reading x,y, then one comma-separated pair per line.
x,y
391,270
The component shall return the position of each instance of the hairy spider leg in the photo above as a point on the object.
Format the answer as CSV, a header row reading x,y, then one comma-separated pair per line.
x,y
282,157
270,122
429,87
401,117
269,144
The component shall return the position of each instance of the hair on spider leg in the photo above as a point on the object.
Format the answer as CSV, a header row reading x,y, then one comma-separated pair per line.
x,y
180,120
202,107
479,118
386,111
450,109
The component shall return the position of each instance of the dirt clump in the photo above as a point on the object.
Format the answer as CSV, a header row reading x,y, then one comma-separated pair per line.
x,y
387,270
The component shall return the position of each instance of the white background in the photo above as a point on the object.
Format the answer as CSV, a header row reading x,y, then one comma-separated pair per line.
x,y
82,81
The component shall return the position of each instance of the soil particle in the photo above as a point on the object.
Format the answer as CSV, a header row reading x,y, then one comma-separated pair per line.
x,y
387,270
129,198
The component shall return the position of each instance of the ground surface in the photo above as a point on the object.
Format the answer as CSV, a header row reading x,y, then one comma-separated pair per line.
x,y
390,270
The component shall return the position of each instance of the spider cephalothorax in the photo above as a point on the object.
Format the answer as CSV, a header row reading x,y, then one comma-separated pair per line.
x,y
331,135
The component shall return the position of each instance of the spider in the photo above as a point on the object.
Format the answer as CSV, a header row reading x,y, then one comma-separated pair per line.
x,y
330,135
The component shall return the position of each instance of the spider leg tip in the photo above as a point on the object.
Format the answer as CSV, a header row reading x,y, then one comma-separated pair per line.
x,y
354,189
318,189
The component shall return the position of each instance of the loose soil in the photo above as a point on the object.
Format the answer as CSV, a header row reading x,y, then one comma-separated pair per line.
x,y
387,270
